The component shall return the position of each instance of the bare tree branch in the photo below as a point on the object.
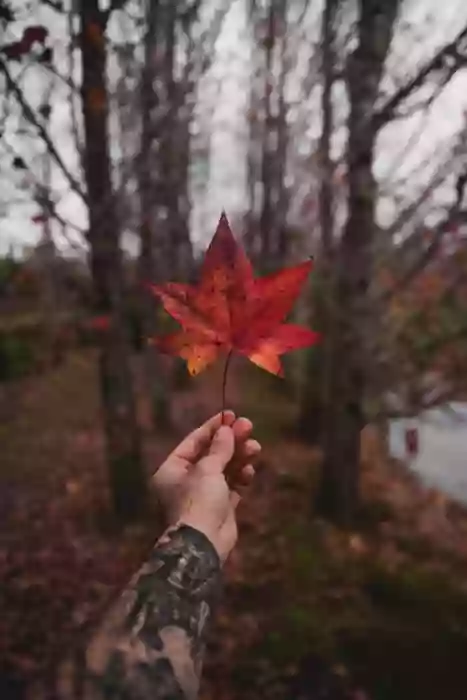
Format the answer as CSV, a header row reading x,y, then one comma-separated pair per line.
x,y
408,212
56,5
51,204
451,50
42,131
67,80
73,88
425,257
207,41
430,251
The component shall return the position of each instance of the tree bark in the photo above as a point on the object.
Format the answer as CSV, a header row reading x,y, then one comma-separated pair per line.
x,y
183,97
338,496
311,415
126,472
149,260
266,215
252,239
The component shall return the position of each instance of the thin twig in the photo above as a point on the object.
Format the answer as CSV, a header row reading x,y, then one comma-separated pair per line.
x,y
439,60
224,383
31,117
64,223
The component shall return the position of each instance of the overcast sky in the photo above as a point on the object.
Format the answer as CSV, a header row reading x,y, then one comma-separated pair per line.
x,y
407,149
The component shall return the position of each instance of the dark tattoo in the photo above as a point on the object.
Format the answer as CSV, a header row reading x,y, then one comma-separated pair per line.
x,y
151,644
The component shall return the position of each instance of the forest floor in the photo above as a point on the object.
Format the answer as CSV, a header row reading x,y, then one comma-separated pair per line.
x,y
380,612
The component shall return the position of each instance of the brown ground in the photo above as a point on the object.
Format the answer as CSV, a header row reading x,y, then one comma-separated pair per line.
x,y
381,604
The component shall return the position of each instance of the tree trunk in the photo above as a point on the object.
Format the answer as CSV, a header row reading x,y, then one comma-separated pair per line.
x,y
149,261
311,415
266,215
282,237
183,96
348,358
126,472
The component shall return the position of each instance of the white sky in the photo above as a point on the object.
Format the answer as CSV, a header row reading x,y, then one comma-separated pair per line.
x,y
402,147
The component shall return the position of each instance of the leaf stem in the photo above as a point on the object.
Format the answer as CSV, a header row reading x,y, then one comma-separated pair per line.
x,y
224,383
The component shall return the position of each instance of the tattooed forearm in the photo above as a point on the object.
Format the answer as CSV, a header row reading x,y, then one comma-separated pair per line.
x,y
151,644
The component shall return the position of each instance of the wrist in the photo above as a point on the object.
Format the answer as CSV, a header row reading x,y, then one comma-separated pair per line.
x,y
191,565
209,533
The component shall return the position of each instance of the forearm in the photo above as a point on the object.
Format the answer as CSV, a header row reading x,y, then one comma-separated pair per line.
x,y
151,644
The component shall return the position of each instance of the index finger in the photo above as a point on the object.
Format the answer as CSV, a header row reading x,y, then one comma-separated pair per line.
x,y
193,445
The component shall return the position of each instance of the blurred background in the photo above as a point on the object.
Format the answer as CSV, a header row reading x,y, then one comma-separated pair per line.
x,y
335,129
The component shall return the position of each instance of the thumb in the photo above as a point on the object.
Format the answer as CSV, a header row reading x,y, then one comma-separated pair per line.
x,y
220,452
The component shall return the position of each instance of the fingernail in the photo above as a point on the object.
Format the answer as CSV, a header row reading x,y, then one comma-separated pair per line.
x,y
229,416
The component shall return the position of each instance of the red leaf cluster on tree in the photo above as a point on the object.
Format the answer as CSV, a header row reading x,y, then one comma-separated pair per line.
x,y
31,35
39,219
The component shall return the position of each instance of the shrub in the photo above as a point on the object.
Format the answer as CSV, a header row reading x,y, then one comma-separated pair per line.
x,y
16,357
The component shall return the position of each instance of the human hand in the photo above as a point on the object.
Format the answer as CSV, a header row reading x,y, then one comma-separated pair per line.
x,y
199,483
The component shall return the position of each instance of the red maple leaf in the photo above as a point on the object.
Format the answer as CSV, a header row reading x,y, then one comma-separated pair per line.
x,y
231,310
